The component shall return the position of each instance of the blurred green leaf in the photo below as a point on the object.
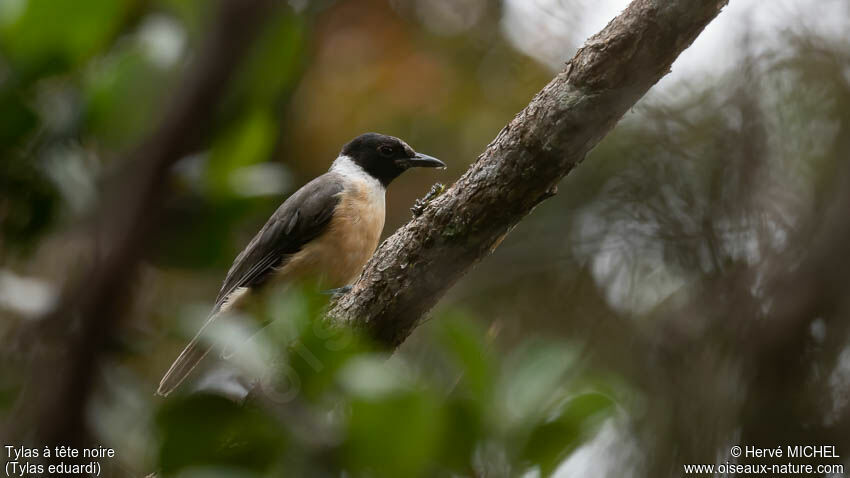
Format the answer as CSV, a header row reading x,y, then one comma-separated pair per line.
x,y
464,342
273,64
394,435
321,351
466,429
248,141
29,202
50,35
550,442
202,430
373,377
124,92
17,120
534,381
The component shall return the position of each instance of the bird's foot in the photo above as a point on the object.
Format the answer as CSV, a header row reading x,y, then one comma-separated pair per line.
x,y
338,291
419,206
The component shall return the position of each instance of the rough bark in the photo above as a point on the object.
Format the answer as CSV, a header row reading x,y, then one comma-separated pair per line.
x,y
521,167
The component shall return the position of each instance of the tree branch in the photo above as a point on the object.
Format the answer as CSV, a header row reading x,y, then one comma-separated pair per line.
x,y
415,266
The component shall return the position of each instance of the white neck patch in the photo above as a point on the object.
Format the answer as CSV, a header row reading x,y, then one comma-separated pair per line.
x,y
347,168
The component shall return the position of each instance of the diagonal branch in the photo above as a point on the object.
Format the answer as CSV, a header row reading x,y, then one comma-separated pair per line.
x,y
521,167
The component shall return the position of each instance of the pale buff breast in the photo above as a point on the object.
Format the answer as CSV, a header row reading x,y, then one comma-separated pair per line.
x,y
338,255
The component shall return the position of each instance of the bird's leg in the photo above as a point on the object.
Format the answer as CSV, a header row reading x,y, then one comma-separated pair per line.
x,y
419,206
338,291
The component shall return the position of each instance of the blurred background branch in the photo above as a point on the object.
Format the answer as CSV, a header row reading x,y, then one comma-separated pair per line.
x,y
70,340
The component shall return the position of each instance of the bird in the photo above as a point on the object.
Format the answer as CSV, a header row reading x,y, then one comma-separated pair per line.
x,y
328,229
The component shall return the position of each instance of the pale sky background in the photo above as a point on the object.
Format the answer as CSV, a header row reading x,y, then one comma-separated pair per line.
x,y
551,30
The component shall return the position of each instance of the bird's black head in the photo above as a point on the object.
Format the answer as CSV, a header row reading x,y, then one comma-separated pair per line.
x,y
386,157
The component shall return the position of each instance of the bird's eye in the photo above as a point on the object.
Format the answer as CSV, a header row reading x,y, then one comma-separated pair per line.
x,y
386,151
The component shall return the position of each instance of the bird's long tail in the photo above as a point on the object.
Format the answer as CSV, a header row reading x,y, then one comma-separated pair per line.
x,y
188,359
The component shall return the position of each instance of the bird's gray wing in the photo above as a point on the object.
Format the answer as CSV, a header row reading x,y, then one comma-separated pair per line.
x,y
300,219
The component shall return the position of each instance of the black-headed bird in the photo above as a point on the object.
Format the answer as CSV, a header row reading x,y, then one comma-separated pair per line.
x,y
328,229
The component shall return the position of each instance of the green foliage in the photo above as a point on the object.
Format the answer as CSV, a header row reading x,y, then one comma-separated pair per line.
x,y
95,76
464,343
214,431
394,433
123,93
48,36
248,142
273,65
550,442
41,41
371,415
28,204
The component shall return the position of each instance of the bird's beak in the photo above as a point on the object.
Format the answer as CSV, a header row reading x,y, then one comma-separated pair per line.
x,y
424,161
